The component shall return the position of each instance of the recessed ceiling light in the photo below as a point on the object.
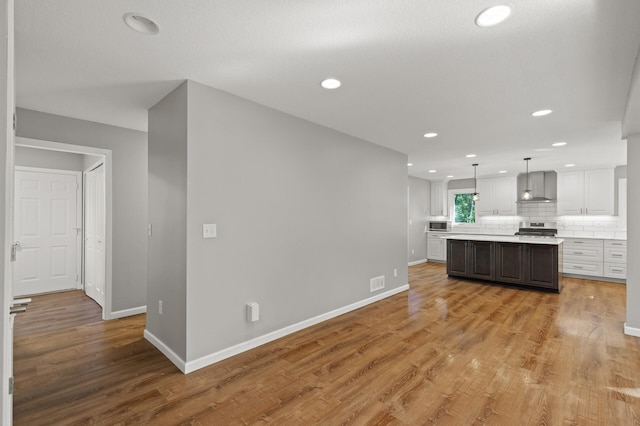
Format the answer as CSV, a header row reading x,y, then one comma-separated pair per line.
x,y
141,24
541,113
470,155
569,165
330,83
559,144
493,15
502,171
409,164
450,176
430,135
432,171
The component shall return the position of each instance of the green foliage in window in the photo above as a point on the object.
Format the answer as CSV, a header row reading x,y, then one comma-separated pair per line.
x,y
465,208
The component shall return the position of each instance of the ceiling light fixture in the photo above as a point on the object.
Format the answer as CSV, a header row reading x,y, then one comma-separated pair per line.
x,y
330,83
475,196
409,164
541,113
141,24
493,16
450,176
569,165
559,144
470,155
432,171
430,135
526,194
502,171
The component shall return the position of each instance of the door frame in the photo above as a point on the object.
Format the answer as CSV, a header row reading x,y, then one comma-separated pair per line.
x,y
108,174
79,201
7,111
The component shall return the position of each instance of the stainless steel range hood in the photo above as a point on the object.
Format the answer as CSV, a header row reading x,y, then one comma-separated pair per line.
x,y
543,186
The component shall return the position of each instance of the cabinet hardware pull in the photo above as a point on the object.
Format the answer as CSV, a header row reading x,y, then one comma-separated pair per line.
x,y
578,242
578,252
577,267
616,270
616,254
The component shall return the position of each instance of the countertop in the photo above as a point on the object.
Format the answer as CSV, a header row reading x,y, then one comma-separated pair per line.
x,y
505,239
559,235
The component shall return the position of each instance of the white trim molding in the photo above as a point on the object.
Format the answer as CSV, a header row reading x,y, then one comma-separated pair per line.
x,y
417,262
166,350
129,312
269,337
631,331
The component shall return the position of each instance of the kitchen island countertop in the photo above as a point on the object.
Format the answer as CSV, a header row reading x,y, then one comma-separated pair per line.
x,y
505,239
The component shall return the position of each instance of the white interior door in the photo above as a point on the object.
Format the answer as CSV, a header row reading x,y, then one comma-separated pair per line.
x,y
46,227
94,237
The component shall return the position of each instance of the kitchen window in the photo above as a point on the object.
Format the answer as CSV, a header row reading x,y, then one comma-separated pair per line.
x,y
462,207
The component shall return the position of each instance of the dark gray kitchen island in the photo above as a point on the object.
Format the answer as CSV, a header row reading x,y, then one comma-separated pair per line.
x,y
518,260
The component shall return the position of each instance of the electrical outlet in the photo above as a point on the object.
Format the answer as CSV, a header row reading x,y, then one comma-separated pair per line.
x,y
412,251
160,307
395,272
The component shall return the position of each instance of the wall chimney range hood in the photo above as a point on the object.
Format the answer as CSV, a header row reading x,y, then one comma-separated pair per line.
x,y
543,187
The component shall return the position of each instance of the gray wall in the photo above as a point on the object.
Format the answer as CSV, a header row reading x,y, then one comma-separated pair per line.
x,y
44,158
633,231
306,216
129,156
419,198
167,264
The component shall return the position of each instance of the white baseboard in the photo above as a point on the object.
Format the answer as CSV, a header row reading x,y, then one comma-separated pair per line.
x,y
166,350
129,312
631,331
417,262
261,340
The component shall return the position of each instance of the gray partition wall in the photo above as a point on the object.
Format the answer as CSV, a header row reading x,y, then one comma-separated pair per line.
x,y
305,217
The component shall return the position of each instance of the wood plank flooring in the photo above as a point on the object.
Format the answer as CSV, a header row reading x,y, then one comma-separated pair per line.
x,y
448,351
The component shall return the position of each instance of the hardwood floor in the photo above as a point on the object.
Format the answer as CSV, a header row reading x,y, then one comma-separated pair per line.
x,y
448,351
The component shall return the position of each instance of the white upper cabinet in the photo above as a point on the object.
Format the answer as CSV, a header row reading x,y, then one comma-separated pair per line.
x,y
588,192
438,199
498,197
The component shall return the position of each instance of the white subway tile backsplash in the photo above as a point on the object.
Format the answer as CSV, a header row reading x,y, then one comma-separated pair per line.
x,y
569,226
580,234
602,234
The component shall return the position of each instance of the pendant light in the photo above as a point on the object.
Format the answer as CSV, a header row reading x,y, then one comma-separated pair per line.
x,y
475,196
526,194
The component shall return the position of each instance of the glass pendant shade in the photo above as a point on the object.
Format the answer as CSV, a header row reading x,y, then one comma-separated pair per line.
x,y
526,194
475,196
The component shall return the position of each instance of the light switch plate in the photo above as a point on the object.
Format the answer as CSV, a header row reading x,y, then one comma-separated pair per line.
x,y
209,230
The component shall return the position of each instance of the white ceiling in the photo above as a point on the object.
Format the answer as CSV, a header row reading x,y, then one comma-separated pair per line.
x,y
407,68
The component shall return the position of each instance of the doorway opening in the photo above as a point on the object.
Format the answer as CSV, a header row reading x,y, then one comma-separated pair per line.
x,y
94,222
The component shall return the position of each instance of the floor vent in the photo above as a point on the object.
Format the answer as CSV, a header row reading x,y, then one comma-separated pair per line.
x,y
376,283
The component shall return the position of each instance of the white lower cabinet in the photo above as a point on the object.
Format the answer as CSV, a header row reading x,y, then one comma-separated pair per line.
x,y
615,270
436,246
583,256
615,259
593,257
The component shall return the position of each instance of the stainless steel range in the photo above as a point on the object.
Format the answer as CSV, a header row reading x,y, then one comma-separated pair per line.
x,y
538,229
